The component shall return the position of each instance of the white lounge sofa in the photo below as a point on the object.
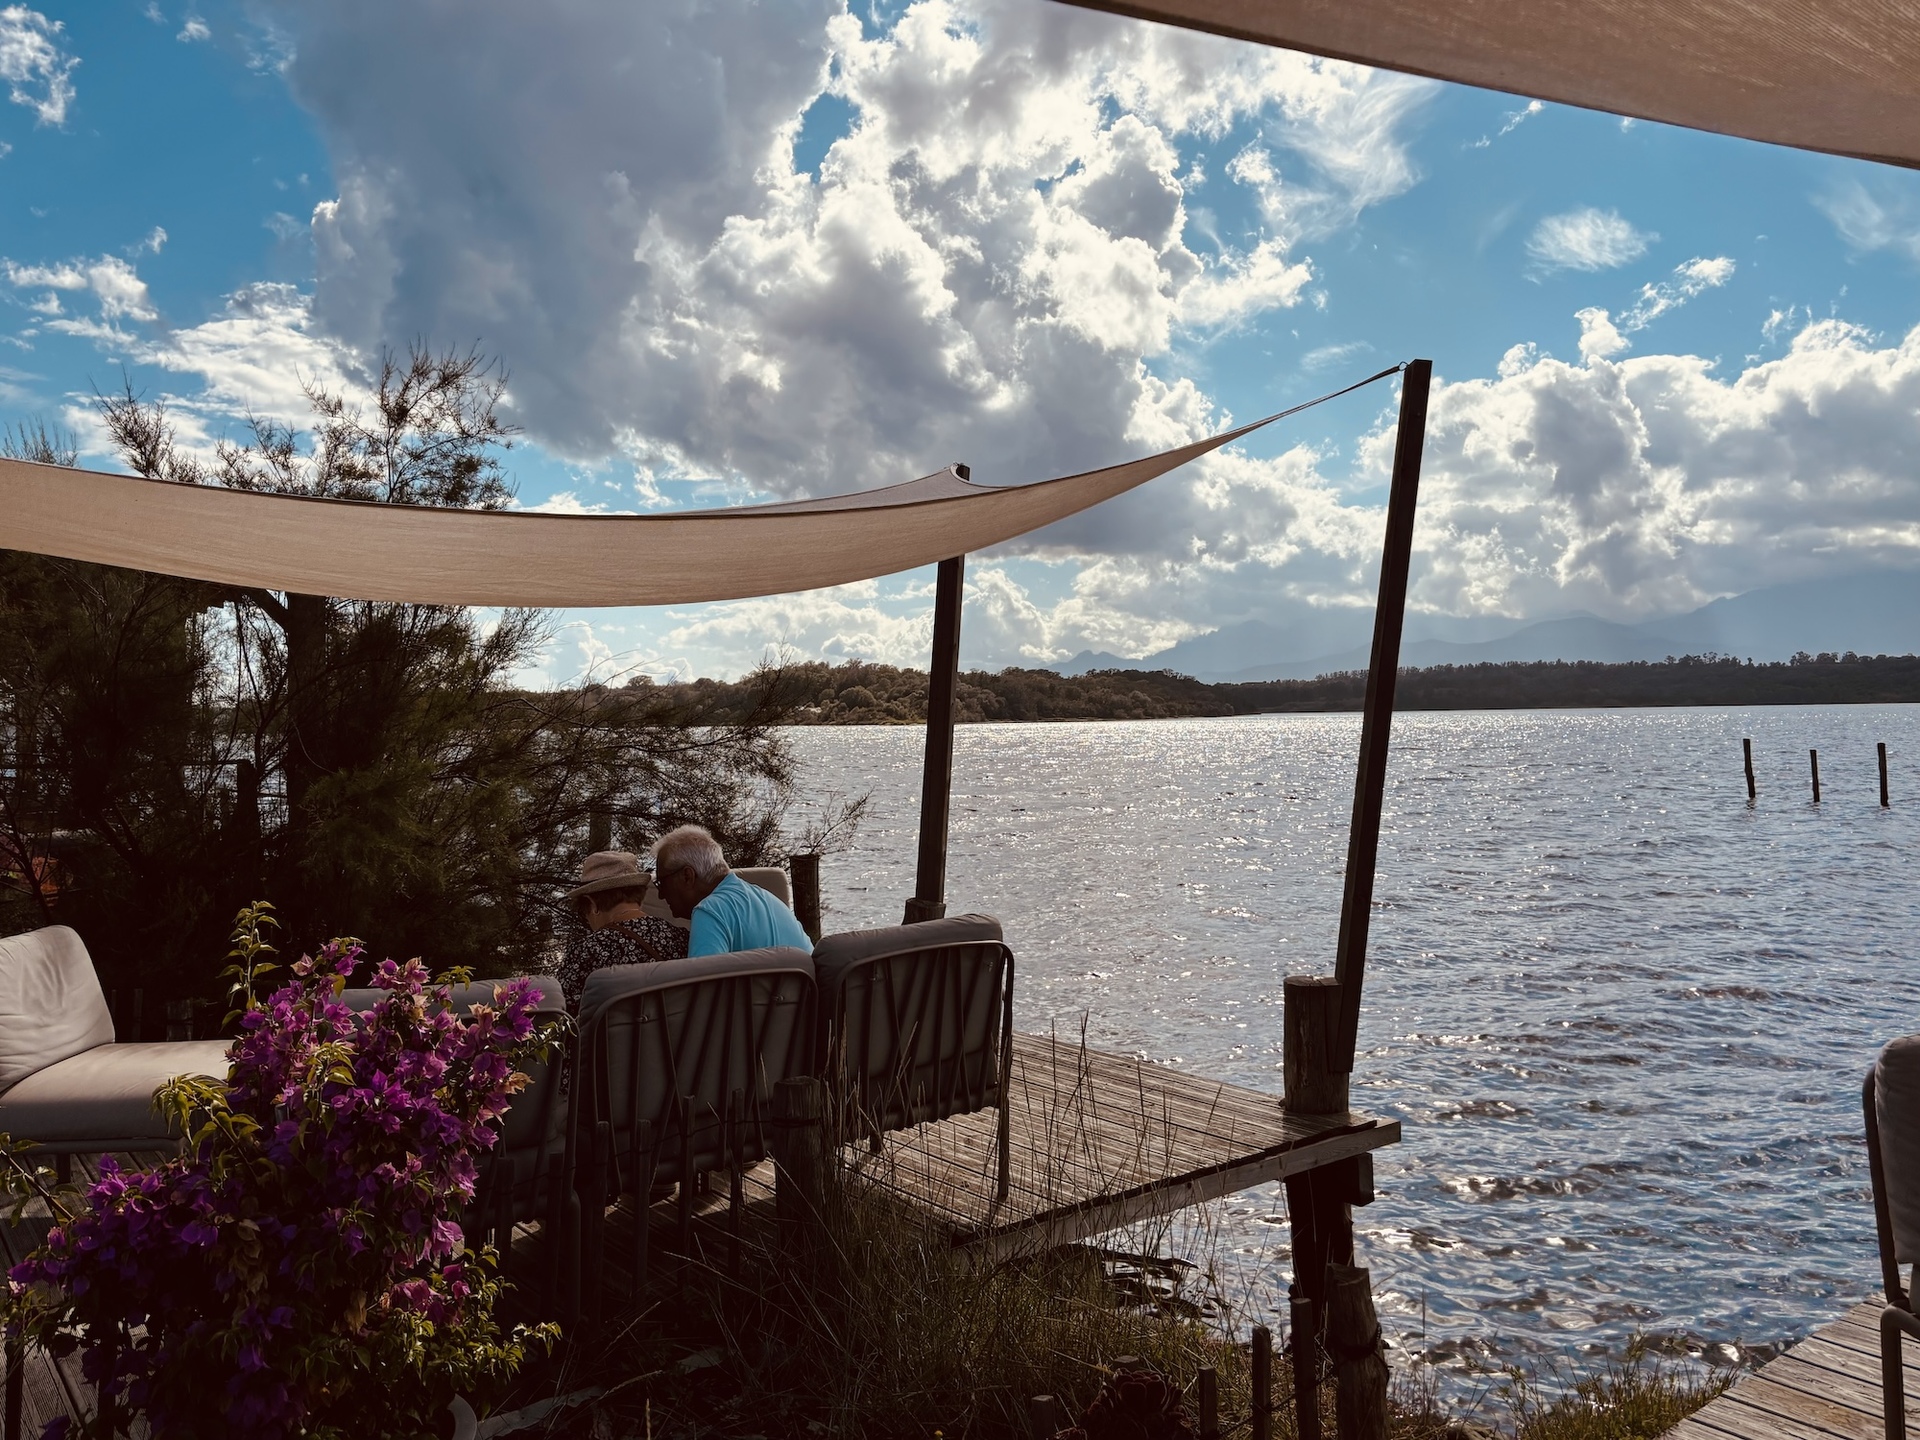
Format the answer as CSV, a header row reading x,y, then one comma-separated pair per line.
x,y
65,1084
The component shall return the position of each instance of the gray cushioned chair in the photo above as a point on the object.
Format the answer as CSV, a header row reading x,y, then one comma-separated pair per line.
x,y
1891,1099
65,1084
677,1064
916,1024
520,1179
770,878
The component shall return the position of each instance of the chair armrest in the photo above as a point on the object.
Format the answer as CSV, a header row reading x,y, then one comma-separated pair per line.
x,y
1893,1318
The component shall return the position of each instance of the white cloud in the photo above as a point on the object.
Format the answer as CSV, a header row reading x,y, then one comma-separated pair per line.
x,y
37,70
1651,485
194,30
1515,119
1691,279
1600,339
117,288
1587,239
981,268
1886,217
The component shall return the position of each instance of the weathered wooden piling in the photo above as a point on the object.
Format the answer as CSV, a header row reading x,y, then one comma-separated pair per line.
x,y
1046,1416
1359,1354
1746,749
1207,1397
1303,1349
1262,1383
1885,803
804,871
599,829
1813,758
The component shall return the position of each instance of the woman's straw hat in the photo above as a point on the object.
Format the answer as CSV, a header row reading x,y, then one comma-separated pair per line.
x,y
610,870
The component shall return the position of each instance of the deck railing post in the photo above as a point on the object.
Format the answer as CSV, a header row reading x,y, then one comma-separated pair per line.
x,y
800,1161
1376,724
929,901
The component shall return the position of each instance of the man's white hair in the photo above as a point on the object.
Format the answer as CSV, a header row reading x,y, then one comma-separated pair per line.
x,y
691,847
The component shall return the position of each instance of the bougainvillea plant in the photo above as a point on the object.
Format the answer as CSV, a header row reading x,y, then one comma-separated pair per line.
x,y
299,1269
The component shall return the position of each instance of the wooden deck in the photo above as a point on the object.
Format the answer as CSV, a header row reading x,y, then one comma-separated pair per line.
x,y
1099,1141
1825,1388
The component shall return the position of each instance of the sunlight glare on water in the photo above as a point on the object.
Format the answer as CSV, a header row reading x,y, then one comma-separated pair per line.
x,y
1623,1016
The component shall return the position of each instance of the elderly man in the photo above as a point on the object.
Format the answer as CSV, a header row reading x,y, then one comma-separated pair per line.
x,y
727,913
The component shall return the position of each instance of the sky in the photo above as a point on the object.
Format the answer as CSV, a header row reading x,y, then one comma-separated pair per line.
x,y
731,250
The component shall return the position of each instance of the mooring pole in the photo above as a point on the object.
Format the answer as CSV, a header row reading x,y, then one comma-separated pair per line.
x,y
1885,803
1746,749
1813,759
1376,724
929,900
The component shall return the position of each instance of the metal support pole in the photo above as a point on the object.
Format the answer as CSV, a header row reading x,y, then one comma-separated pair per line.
x,y
1376,725
929,900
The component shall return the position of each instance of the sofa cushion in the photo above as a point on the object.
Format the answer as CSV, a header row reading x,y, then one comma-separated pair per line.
x,y
103,1098
50,1002
1896,1108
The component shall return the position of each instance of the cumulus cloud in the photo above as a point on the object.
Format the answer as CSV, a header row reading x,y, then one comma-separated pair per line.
x,y
193,31
36,67
1651,485
1587,239
980,268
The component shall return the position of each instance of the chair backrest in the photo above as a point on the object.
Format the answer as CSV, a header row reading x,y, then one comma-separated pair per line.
x,y
674,1043
51,1007
770,878
1893,1121
534,1118
915,1019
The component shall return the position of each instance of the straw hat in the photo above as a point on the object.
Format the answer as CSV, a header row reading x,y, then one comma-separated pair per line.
x,y
610,870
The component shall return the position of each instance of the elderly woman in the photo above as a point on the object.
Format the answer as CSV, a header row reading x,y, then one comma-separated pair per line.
x,y
611,898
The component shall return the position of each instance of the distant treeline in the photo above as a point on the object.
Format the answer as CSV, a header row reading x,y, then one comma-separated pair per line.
x,y
858,693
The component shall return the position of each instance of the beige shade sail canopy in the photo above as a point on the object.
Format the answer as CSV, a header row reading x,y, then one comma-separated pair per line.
x,y
363,551
1835,75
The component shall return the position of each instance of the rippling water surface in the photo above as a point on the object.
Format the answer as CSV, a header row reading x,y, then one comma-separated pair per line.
x,y
1622,1015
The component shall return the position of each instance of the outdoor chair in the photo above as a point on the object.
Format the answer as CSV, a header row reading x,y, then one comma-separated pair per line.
x,y
677,1064
521,1178
65,1084
770,878
1891,1100
916,1025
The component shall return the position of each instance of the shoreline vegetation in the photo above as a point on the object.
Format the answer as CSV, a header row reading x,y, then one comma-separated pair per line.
x,y
862,693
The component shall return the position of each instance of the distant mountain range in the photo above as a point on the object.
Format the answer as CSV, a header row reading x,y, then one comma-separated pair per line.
x,y
1873,613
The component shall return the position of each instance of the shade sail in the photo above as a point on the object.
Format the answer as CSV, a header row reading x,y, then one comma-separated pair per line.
x,y
1835,75
362,551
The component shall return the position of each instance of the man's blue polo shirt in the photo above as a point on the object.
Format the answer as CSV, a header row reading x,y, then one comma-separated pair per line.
x,y
739,916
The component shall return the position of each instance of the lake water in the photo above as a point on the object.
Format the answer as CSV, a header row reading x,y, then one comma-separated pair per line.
x,y
1622,1015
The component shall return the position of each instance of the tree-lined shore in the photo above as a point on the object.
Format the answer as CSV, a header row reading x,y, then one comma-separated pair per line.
x,y
861,693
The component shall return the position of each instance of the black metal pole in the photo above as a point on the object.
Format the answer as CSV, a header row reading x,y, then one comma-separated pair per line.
x,y
929,900
1376,725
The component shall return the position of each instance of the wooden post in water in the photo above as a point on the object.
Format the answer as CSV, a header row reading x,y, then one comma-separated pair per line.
x,y
1262,1383
804,871
1885,803
599,829
1746,749
1813,757
1376,722
929,900
1360,1364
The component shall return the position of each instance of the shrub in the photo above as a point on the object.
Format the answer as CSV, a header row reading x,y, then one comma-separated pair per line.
x,y
299,1269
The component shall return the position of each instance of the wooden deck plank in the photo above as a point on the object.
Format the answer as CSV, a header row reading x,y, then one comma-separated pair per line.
x,y
1825,1388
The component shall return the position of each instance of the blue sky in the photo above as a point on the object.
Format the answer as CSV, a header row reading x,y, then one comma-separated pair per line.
x,y
730,251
